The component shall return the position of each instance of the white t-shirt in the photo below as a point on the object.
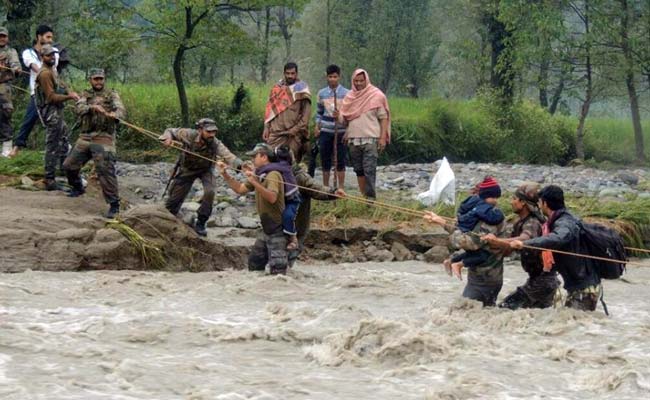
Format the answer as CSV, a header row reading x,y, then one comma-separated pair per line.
x,y
30,56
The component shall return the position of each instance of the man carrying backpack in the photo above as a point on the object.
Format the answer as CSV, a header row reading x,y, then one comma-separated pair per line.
x,y
562,231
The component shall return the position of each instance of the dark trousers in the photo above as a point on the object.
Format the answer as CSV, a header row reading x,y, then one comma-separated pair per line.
x,y
30,118
537,292
104,160
56,139
364,161
326,147
484,284
289,214
181,186
269,249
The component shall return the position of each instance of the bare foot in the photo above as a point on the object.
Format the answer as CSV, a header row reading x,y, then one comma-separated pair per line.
x,y
457,270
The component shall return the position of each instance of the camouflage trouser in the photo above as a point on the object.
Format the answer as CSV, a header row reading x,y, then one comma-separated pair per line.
x,y
537,292
484,284
103,157
364,162
585,299
56,139
6,110
269,249
181,186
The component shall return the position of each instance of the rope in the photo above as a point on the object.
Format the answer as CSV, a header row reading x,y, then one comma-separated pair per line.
x,y
20,71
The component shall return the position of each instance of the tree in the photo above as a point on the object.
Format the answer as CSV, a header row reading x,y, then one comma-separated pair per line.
x,y
180,27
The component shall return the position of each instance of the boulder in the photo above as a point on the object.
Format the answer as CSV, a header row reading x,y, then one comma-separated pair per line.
x,y
400,252
436,254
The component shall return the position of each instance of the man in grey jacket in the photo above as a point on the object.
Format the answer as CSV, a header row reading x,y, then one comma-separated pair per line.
x,y
562,232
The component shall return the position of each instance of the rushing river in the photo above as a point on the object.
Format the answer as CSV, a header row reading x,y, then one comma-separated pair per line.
x,y
352,331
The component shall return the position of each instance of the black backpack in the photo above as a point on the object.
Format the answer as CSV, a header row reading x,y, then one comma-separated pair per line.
x,y
600,241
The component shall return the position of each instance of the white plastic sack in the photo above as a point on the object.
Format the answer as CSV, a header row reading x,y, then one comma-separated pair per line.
x,y
442,188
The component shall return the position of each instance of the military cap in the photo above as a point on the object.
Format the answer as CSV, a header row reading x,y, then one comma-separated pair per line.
x,y
262,148
48,49
4,31
93,72
528,191
208,124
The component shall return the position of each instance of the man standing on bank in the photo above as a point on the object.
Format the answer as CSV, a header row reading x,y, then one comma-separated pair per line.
x,y
328,132
200,141
366,113
50,97
99,111
9,68
287,113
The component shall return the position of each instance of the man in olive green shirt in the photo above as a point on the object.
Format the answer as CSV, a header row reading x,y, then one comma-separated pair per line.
x,y
270,248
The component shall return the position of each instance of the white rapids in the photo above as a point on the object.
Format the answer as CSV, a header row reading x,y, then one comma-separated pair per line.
x,y
350,331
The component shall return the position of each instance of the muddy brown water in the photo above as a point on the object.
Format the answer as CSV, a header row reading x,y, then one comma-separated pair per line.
x,y
349,331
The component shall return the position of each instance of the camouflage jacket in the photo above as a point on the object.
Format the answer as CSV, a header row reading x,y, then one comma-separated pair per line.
x,y
191,140
531,260
491,271
8,60
95,124
306,182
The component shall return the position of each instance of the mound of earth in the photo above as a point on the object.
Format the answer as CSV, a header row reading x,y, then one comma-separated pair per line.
x,y
49,231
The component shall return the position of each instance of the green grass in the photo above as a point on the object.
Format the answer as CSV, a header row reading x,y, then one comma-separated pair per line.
x,y
28,162
612,139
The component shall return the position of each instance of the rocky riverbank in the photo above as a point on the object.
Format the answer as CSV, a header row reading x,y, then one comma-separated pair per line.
x,y
49,231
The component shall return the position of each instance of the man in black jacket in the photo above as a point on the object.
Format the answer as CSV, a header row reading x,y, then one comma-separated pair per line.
x,y
562,232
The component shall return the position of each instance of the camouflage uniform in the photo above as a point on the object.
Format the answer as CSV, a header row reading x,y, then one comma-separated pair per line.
x,y
484,282
96,141
192,168
306,182
8,59
540,288
50,95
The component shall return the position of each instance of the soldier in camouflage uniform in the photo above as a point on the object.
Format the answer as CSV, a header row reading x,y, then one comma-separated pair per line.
x,y
99,111
270,248
484,281
9,67
201,141
50,97
540,289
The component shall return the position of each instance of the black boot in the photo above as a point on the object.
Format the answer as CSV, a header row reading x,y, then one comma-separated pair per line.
x,y
51,184
199,227
113,210
75,182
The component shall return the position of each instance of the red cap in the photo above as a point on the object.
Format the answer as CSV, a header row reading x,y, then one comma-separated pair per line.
x,y
488,182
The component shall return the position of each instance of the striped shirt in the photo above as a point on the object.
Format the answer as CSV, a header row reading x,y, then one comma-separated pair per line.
x,y
325,108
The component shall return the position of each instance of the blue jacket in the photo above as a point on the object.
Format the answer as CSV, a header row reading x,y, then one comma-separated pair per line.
x,y
474,209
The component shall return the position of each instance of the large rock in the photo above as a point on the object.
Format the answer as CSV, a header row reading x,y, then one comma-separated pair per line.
x,y
628,177
380,255
247,222
436,254
400,252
